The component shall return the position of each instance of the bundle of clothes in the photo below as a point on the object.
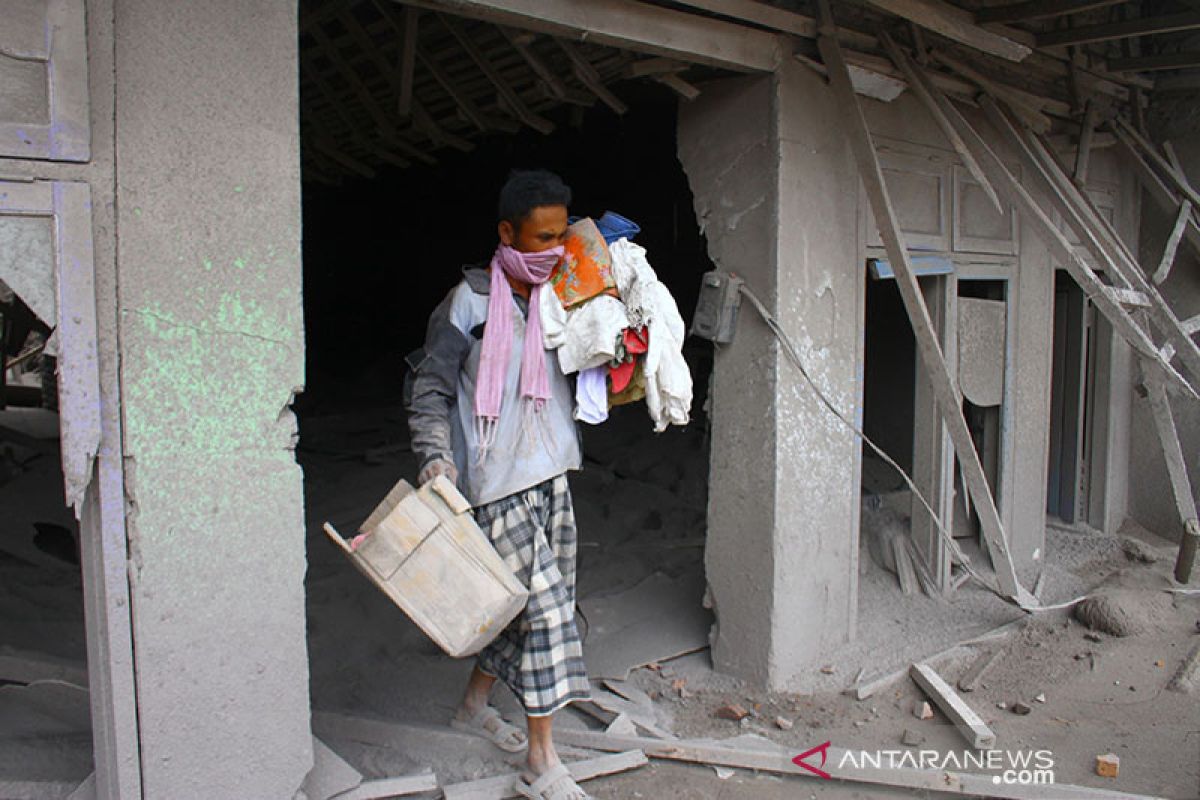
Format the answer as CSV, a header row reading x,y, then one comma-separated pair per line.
x,y
616,325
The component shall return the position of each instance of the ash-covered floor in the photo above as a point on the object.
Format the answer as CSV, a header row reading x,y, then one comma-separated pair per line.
x,y
640,501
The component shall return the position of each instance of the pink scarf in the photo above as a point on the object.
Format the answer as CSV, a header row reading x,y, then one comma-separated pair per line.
x,y
533,269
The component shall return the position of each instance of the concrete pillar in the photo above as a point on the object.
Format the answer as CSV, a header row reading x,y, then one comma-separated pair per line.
x,y
211,342
776,193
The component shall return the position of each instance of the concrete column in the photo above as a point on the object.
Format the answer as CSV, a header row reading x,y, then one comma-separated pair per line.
x,y
211,344
776,194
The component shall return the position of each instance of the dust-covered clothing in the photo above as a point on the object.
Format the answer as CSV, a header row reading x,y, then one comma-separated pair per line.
x,y
539,655
528,448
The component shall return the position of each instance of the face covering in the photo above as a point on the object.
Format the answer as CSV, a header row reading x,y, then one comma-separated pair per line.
x,y
533,269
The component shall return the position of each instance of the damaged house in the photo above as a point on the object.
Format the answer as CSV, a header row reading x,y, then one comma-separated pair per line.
x,y
944,256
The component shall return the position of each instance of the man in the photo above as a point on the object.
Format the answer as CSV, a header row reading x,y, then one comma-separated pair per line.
x,y
491,409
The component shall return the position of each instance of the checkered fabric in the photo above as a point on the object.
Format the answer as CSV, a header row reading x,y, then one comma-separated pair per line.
x,y
539,655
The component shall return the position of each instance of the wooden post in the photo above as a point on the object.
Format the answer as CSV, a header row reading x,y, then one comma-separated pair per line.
x,y
949,400
1172,246
1181,487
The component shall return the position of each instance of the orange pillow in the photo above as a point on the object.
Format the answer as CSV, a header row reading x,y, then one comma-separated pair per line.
x,y
585,270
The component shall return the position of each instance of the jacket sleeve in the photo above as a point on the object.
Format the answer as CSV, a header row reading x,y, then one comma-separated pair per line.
x,y
435,387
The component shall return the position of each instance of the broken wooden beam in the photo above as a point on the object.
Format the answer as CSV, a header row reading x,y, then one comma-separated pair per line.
x,y
1163,196
503,786
969,724
954,23
1177,179
1181,486
1172,246
917,85
949,400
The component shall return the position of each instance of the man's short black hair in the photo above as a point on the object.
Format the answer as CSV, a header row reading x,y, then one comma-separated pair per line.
x,y
526,189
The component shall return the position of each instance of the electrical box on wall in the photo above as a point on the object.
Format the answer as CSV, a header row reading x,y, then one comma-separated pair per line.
x,y
717,307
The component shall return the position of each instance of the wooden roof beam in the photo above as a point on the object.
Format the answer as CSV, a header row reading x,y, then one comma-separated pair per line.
x,y
552,82
1040,9
1170,23
511,99
630,25
588,76
954,23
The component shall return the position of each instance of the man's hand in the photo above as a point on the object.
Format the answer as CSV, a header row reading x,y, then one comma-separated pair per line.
x,y
438,466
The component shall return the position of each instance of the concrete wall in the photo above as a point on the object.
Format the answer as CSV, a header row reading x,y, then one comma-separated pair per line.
x,y
1150,500
211,341
775,193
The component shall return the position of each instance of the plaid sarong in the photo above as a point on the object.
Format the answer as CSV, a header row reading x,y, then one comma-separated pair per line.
x,y
539,655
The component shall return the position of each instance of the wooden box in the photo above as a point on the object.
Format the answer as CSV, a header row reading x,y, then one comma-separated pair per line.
x,y
422,548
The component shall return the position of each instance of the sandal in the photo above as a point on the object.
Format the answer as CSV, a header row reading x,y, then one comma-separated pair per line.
x,y
489,725
555,784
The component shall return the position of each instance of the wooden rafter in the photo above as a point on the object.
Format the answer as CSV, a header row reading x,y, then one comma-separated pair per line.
x,y
588,76
1110,31
1040,9
954,23
512,100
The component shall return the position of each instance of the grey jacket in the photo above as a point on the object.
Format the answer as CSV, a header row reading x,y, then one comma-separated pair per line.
x,y
529,448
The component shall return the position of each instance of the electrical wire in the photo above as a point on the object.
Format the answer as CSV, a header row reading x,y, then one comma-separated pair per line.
x,y
794,356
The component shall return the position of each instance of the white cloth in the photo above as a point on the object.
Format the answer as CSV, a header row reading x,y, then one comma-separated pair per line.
x,y
649,302
591,395
587,335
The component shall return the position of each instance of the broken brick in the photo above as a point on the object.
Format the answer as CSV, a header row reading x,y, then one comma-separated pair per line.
x,y
1107,766
732,711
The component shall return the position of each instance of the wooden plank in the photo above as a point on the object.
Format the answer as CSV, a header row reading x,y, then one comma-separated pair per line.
x,y
1058,245
552,82
969,724
1192,325
511,99
948,398
1128,297
1174,178
590,78
1159,192
1083,155
1011,94
1147,26
1107,246
1185,60
501,786
1040,9
379,788
408,59
834,762
633,26
954,23
918,88
1168,437
1172,246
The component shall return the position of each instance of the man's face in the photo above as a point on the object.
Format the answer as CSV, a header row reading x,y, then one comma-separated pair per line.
x,y
545,227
